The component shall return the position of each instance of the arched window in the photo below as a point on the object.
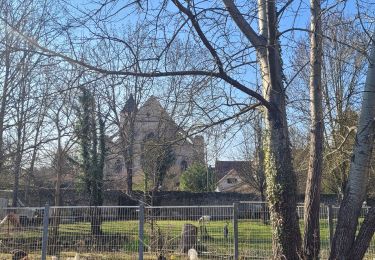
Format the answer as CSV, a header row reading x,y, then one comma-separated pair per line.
x,y
183,165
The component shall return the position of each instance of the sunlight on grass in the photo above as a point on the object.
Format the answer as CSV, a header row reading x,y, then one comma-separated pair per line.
x,y
255,238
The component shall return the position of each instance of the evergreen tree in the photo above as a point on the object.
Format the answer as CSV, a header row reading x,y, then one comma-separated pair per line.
x,y
92,142
197,178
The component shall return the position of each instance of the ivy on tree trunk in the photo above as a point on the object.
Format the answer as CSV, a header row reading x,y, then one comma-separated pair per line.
x,y
92,142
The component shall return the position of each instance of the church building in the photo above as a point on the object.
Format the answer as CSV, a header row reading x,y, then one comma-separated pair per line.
x,y
151,122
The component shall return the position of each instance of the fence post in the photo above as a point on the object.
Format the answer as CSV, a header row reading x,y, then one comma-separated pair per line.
x,y
235,229
330,224
45,231
141,217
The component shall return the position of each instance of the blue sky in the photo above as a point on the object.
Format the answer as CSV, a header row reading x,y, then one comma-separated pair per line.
x,y
297,15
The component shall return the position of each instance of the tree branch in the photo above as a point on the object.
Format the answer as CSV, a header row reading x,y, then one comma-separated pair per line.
x,y
153,74
243,25
200,33
283,8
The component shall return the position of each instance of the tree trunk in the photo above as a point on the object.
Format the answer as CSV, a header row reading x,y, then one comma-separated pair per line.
x,y
130,155
4,98
3,107
364,236
265,215
16,172
59,169
96,221
311,241
55,221
280,177
21,115
355,191
127,143
260,168
129,177
30,171
281,188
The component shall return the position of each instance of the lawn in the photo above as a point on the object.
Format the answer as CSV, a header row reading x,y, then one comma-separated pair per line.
x,y
120,239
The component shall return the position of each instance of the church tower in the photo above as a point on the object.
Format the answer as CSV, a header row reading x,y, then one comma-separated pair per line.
x,y
129,108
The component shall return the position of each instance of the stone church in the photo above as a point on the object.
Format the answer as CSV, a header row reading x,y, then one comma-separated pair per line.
x,y
152,120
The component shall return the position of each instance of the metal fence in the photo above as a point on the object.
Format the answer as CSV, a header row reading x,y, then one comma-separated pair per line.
x,y
239,231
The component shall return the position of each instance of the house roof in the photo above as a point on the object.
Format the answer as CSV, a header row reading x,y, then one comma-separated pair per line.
x,y
232,173
240,186
223,167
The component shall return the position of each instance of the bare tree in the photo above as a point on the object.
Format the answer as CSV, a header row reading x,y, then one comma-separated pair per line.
x,y
21,88
343,73
345,244
281,182
253,174
61,115
311,241
208,28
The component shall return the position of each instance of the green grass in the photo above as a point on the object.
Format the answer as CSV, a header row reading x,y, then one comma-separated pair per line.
x,y
255,238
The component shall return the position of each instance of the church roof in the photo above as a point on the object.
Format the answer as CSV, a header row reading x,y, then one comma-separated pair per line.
x,y
153,103
130,105
153,107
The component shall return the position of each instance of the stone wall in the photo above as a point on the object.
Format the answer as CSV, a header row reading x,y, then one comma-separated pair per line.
x,y
163,198
181,198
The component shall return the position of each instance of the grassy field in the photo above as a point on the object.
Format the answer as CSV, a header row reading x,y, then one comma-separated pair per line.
x,y
252,234
120,239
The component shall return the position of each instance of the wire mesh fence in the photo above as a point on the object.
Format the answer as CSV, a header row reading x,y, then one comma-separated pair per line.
x,y
239,231
254,231
21,228
172,231
93,230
